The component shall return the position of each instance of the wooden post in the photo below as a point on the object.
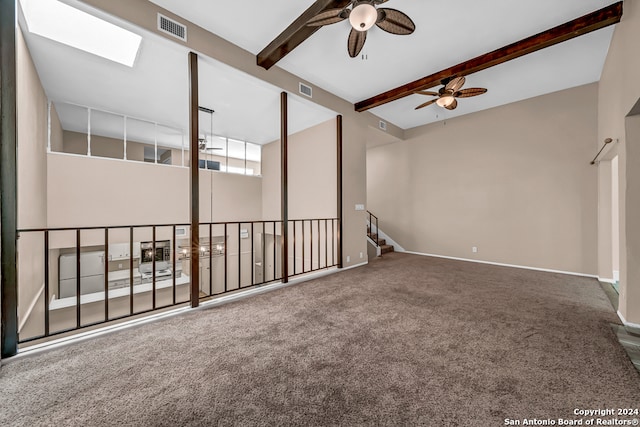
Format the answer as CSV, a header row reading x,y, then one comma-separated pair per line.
x,y
284,167
8,180
194,180
339,189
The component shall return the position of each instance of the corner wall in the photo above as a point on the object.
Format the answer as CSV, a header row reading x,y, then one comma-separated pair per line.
x,y
513,181
619,91
32,176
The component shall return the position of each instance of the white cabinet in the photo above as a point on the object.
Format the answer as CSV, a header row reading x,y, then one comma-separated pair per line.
x,y
120,251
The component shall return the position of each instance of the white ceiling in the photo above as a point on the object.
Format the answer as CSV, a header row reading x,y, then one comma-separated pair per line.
x,y
156,89
448,32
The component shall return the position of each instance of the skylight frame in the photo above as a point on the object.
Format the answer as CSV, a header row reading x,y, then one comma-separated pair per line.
x,y
73,27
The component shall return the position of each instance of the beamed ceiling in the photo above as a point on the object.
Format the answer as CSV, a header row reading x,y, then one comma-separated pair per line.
x,y
448,32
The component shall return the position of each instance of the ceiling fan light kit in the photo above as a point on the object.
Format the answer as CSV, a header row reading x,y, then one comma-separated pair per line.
x,y
445,101
452,89
363,15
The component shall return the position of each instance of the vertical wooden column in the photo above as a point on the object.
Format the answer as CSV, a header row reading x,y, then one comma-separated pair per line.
x,y
194,180
284,167
8,180
339,189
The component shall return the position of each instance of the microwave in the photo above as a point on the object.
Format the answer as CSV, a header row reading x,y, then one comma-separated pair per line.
x,y
162,251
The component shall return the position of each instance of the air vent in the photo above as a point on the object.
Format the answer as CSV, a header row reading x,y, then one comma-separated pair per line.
x,y
172,27
382,125
306,90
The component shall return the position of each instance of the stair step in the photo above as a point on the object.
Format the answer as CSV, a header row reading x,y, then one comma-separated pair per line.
x,y
385,249
380,241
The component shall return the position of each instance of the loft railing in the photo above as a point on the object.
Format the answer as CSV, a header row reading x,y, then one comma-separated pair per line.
x,y
233,256
372,219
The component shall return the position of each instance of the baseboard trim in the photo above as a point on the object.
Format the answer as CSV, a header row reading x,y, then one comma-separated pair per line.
x,y
355,266
629,324
23,321
82,336
602,279
546,270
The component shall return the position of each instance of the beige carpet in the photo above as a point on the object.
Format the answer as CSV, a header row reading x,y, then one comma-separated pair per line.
x,y
407,340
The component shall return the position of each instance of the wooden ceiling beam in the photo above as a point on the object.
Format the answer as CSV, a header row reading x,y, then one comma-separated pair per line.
x,y
295,33
594,21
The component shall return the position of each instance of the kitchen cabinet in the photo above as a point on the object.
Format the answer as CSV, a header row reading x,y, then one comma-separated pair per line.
x,y
120,279
120,251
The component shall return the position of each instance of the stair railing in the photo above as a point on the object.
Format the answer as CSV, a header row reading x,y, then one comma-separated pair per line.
x,y
371,218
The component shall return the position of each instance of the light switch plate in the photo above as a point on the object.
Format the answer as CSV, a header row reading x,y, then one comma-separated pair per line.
x,y
359,207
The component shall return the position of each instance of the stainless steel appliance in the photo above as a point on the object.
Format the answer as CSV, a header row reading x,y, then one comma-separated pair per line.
x,y
91,273
163,251
162,258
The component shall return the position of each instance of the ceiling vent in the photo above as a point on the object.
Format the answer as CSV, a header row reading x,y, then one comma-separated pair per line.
x,y
382,125
306,90
169,26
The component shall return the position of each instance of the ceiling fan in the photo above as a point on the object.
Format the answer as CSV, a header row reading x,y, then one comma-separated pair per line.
x,y
452,89
202,145
202,141
362,15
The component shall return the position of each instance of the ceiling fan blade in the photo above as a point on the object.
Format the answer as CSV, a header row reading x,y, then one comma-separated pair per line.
x,y
426,92
329,17
472,91
453,105
356,42
455,84
426,104
395,22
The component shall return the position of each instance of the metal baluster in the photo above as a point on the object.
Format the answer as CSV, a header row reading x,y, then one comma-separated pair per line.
x,y
46,283
106,274
78,278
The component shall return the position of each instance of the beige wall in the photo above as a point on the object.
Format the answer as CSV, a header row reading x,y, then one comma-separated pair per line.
x,y
312,174
101,146
57,133
32,176
93,191
271,209
514,181
619,91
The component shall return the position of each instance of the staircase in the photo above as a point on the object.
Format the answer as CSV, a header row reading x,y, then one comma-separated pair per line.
x,y
373,235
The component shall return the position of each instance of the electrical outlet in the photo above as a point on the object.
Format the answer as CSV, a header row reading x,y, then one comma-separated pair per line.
x,y
361,255
348,258
474,249
120,266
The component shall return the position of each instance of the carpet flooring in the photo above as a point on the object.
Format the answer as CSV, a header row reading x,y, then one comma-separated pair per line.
x,y
406,340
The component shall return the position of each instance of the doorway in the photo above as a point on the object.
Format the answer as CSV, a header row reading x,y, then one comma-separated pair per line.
x,y
615,223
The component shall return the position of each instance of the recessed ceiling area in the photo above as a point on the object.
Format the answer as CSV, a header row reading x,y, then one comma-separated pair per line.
x,y
156,89
447,33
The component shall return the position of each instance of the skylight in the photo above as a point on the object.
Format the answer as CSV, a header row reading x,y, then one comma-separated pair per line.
x,y
68,25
